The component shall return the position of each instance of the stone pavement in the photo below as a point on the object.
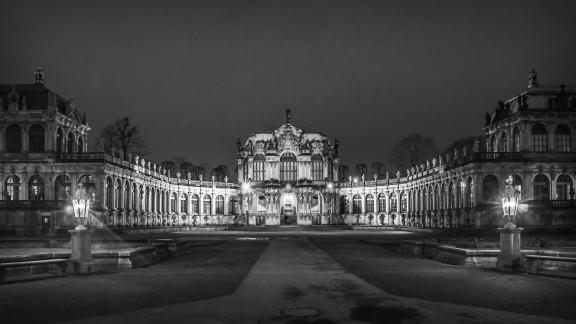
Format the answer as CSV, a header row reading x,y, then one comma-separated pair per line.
x,y
294,273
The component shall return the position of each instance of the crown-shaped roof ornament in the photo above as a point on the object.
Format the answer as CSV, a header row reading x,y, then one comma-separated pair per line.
x,y
39,75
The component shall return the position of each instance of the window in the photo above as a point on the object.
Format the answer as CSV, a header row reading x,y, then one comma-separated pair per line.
x,y
134,197
12,188
70,143
36,139
381,203
490,191
317,167
245,170
152,200
344,204
403,202
35,188
369,204
451,195
314,202
219,205
393,203
258,167
59,139
88,183
356,204
539,138
184,204
118,194
207,204
233,205
173,203
563,187
541,187
503,143
62,187
516,136
147,200
80,144
109,193
469,193
288,171
493,145
13,139
195,206
126,195
562,139
425,205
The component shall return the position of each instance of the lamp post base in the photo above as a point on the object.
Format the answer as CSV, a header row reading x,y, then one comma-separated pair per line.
x,y
510,257
81,258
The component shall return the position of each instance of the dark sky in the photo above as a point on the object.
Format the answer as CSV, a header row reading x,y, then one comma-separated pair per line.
x,y
196,75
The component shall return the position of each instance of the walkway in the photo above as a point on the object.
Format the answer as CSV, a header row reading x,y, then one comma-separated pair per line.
x,y
294,273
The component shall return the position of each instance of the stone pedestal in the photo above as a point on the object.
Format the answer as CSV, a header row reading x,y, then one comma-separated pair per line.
x,y
510,253
81,258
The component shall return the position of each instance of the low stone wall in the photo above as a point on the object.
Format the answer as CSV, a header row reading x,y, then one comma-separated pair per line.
x,y
168,229
482,258
557,263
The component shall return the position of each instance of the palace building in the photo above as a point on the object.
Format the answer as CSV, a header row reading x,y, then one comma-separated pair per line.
x,y
286,176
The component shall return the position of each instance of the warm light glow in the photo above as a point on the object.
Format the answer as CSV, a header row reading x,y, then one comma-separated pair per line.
x,y
330,185
355,180
246,186
81,207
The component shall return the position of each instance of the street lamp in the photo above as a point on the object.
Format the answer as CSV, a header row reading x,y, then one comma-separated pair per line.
x,y
510,253
510,202
81,237
246,188
329,186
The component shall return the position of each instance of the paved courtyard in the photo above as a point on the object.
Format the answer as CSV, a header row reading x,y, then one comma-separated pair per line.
x,y
256,277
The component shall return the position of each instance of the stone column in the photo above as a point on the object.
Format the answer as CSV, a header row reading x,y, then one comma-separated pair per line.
x,y
510,253
81,258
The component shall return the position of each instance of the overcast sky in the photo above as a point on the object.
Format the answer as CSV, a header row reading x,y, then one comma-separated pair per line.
x,y
196,75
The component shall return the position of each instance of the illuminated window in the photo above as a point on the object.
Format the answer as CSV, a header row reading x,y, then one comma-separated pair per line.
x,y
317,167
219,205
539,138
369,204
258,167
356,204
12,188
288,170
562,138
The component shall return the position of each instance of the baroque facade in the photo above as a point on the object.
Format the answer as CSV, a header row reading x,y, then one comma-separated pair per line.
x,y
286,176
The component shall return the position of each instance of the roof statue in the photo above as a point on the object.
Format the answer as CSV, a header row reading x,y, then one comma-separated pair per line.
x,y
288,116
39,75
532,78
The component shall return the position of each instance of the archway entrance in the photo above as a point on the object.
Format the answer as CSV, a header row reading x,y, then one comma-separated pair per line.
x,y
288,209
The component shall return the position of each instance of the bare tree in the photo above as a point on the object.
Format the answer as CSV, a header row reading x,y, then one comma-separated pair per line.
x,y
361,168
467,141
121,137
220,172
412,150
379,168
169,166
343,173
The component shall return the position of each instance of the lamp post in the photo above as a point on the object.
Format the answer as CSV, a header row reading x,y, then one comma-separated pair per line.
x,y
81,237
246,188
510,250
329,186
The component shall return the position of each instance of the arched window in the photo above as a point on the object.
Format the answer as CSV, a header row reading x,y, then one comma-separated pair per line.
x,y
539,138
184,203
403,202
516,136
109,193
369,203
451,195
443,203
88,183
118,193
262,202
288,170
490,189
233,205
562,139
173,203
258,167
13,139
194,204
469,193
147,200
62,187
35,188
80,144
356,204
36,139
70,143
207,205
425,205
344,205
245,170
317,167
158,201
219,205
541,187
503,143
493,144
381,203
563,187
11,188
59,140
393,203
152,200
134,197
314,202
126,196
163,202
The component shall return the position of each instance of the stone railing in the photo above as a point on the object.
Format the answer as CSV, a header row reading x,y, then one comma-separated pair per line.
x,y
34,204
